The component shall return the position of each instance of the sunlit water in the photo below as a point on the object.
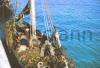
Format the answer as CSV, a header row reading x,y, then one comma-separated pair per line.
x,y
69,15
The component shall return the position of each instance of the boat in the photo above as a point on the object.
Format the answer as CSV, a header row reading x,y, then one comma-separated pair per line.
x,y
28,47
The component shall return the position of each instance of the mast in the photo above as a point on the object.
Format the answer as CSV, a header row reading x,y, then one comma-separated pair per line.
x,y
33,19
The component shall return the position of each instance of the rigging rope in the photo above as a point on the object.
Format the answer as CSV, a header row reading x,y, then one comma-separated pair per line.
x,y
49,21
46,8
16,5
47,18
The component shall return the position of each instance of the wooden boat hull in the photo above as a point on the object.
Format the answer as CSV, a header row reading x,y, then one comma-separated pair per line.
x,y
31,57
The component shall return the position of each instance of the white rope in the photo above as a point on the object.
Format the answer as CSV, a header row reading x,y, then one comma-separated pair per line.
x,y
49,27
16,5
51,23
45,20
46,11
15,14
49,16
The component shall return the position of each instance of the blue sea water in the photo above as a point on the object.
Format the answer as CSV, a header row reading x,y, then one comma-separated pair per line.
x,y
71,15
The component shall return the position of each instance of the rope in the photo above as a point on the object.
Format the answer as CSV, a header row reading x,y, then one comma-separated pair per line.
x,y
50,22
49,16
49,27
15,9
45,19
14,25
16,5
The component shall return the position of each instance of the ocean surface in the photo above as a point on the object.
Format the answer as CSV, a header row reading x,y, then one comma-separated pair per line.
x,y
78,22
